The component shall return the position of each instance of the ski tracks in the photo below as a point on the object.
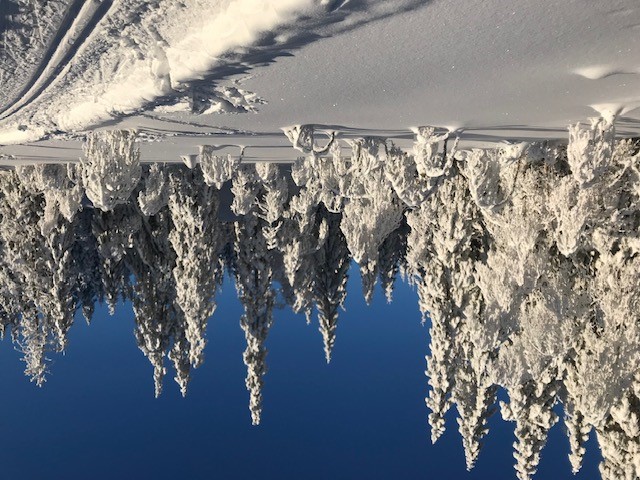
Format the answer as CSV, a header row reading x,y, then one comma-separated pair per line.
x,y
81,19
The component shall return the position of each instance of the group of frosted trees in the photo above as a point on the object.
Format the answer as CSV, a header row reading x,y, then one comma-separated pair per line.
x,y
526,261
109,229
524,258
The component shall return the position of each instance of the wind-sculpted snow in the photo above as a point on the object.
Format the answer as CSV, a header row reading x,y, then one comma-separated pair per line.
x,y
525,260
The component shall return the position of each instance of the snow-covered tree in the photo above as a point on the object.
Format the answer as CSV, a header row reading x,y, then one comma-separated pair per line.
x,y
391,255
40,272
331,266
590,149
62,196
253,273
444,242
110,167
372,210
302,138
197,240
114,232
155,195
619,439
216,169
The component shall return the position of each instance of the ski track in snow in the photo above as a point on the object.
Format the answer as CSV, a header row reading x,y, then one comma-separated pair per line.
x,y
82,17
29,33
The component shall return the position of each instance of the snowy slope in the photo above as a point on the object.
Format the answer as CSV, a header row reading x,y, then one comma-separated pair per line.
x,y
472,64
140,52
362,66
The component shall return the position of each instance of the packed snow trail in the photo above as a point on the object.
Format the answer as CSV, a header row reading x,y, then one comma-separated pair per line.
x,y
29,33
80,20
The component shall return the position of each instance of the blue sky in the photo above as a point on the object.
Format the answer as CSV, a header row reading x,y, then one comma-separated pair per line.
x,y
362,416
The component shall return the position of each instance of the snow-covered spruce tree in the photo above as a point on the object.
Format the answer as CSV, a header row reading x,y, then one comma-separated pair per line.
x,y
391,254
216,169
110,167
60,273
324,178
331,267
18,223
245,189
429,277
153,332
610,353
175,261
40,271
114,232
10,301
325,173
578,433
149,258
416,176
596,213
530,406
445,241
62,195
474,395
57,282
619,439
253,273
372,210
155,195
197,240
180,355
531,364
525,283
253,269
274,195
572,209
89,287
18,234
33,343
590,149
515,218
600,193
303,233
302,137
493,174
592,403
600,375
527,290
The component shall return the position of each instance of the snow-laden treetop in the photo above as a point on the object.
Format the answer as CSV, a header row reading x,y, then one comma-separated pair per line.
x,y
525,259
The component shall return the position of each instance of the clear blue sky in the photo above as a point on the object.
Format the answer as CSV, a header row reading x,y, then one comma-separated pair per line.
x,y
362,417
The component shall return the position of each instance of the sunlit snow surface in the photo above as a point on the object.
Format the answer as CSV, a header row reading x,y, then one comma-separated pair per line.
x,y
524,259
365,66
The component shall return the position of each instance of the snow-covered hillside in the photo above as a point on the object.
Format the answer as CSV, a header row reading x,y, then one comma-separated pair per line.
x,y
528,69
